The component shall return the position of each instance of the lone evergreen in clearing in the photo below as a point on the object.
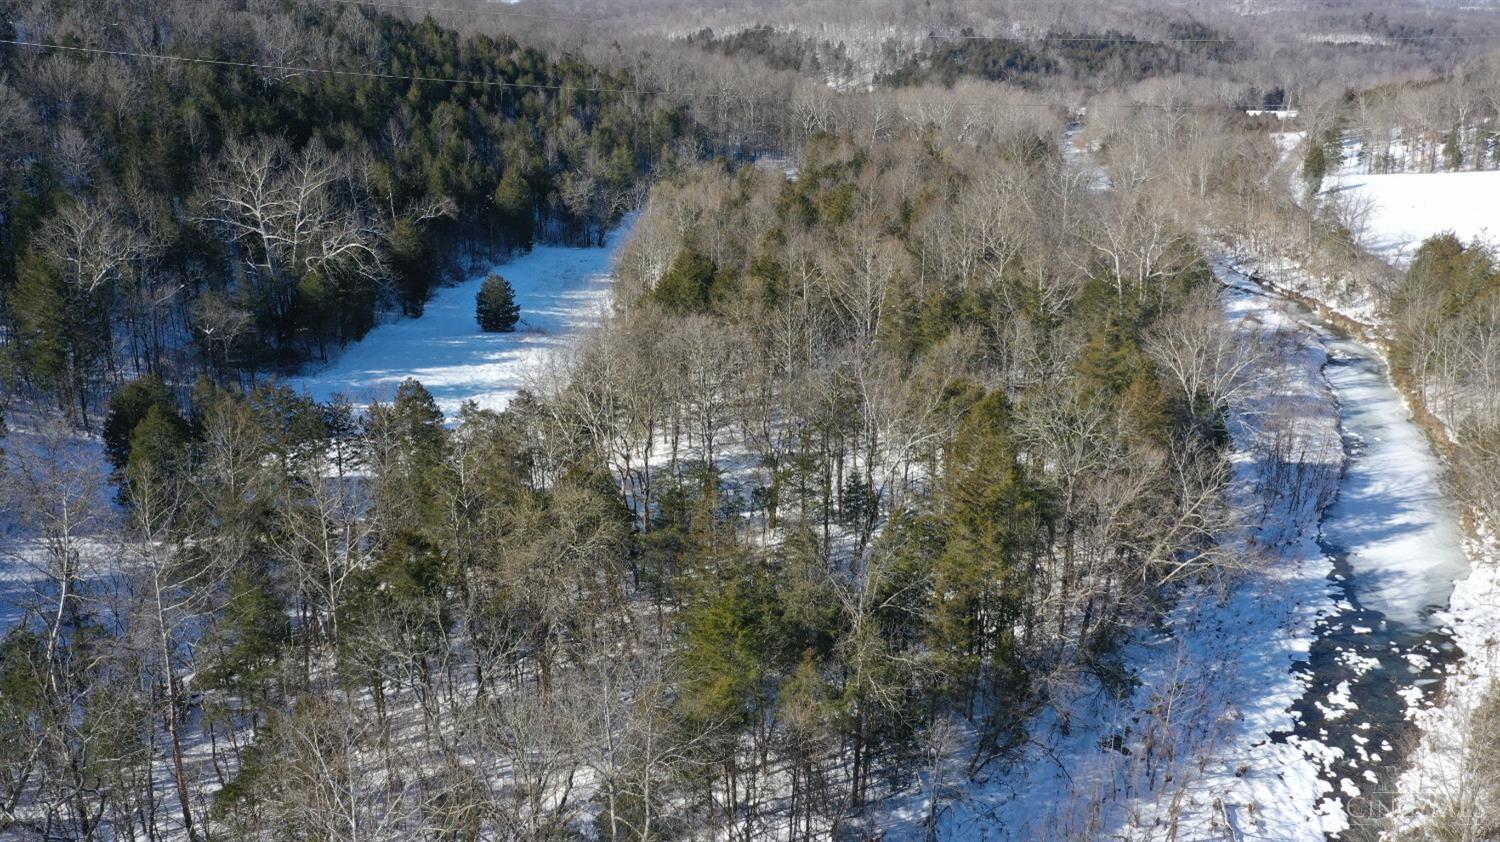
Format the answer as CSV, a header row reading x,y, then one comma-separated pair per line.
x,y
496,306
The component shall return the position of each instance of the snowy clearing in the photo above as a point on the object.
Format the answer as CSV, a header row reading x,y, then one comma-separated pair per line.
x,y
1400,210
561,290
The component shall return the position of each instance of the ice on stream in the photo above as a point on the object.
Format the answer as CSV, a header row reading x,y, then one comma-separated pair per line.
x,y
1399,529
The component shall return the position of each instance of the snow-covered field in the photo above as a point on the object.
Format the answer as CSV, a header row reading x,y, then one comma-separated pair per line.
x,y
1400,210
560,290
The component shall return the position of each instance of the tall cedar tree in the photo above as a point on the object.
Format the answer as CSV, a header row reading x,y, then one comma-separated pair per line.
x,y
495,307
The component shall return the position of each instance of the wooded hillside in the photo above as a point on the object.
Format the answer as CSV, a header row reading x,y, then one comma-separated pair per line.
x,y
174,217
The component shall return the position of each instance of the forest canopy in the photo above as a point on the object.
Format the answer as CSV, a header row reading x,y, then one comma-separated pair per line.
x,y
174,219
927,441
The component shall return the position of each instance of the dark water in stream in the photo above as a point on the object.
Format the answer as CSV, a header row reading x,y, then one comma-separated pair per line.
x,y
1363,657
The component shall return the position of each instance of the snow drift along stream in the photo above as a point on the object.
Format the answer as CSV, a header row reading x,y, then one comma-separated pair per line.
x,y
561,291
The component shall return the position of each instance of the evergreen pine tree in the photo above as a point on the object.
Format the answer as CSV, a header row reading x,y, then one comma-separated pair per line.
x,y
157,448
128,408
410,462
1453,153
243,646
39,306
496,307
686,285
990,509
411,262
1314,168
513,199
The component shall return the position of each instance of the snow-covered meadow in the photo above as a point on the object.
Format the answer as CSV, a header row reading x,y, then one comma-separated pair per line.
x,y
561,290
1395,212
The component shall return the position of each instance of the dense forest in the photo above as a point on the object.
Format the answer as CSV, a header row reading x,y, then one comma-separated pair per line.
x,y
780,51
812,492
177,218
914,414
1090,59
1081,59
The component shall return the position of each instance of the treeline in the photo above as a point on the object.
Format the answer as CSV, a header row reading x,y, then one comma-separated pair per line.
x,y
1091,59
781,50
1321,43
1442,125
172,218
1444,313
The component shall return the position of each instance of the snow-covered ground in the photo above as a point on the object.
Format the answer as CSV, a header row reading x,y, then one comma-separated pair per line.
x,y
1400,210
1438,767
52,469
560,290
1203,747
1253,716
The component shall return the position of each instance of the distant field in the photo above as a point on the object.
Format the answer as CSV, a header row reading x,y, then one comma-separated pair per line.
x,y
1406,208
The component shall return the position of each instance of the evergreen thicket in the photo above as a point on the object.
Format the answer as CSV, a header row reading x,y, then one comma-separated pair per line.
x,y
172,219
1095,59
779,50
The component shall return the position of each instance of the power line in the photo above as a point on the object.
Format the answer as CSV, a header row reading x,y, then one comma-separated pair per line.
x,y
326,71
1345,39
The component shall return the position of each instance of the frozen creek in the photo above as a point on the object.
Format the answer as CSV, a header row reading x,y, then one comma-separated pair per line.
x,y
1396,546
